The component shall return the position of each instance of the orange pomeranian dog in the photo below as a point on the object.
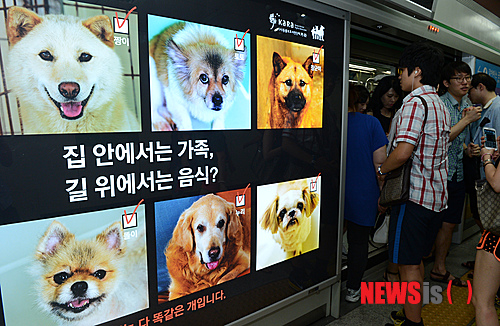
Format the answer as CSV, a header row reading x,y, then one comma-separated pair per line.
x,y
87,282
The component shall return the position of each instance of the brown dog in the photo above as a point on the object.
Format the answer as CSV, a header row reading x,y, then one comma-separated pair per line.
x,y
291,91
210,245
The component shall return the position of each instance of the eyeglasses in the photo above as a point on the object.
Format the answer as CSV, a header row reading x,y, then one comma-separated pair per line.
x,y
400,71
462,79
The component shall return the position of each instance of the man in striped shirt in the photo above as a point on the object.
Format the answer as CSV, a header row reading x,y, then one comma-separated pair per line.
x,y
415,223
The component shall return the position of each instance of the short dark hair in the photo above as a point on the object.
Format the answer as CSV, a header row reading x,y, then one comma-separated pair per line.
x,y
427,57
357,94
383,86
484,79
455,67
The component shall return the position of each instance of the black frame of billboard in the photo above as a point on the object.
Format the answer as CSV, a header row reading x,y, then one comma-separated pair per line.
x,y
34,174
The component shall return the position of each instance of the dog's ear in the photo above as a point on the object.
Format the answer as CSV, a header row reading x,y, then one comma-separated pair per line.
x,y
278,64
55,236
20,21
101,27
180,61
234,227
307,66
183,233
113,238
269,219
311,199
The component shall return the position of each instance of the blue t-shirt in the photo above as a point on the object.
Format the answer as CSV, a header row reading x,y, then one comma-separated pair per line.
x,y
364,136
492,112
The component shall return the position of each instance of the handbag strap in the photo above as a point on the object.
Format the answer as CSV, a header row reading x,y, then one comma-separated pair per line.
x,y
426,107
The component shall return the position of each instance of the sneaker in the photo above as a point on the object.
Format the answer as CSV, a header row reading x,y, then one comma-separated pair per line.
x,y
405,322
353,295
400,323
398,316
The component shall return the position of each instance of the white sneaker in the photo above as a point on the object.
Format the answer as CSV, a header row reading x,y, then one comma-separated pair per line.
x,y
353,295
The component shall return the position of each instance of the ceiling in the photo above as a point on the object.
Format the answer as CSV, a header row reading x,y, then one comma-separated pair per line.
x,y
492,6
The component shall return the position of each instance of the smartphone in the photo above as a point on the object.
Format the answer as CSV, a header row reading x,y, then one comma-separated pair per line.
x,y
490,135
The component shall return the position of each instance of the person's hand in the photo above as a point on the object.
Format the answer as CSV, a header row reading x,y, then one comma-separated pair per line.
x,y
473,150
496,154
472,113
485,150
381,209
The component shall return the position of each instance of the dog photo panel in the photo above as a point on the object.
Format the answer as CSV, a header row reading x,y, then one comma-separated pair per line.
x,y
89,267
199,76
289,84
201,241
288,220
74,73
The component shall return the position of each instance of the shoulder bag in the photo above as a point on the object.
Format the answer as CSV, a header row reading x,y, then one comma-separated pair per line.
x,y
488,205
381,229
396,188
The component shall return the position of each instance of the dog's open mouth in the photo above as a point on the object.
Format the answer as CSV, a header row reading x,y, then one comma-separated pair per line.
x,y
217,108
212,265
77,305
71,110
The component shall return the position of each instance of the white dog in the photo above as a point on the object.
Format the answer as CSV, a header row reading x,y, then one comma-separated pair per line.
x,y
65,74
194,75
288,217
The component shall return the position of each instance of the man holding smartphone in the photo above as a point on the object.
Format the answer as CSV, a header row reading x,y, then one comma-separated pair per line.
x,y
483,92
456,77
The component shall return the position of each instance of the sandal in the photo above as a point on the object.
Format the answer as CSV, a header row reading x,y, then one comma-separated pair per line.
x,y
446,279
469,264
390,273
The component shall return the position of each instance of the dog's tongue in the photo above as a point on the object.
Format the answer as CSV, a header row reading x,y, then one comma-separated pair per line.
x,y
71,109
78,303
212,265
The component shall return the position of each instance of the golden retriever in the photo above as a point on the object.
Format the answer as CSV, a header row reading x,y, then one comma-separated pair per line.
x,y
210,245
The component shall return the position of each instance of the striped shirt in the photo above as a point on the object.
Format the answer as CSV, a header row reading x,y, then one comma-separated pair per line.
x,y
429,172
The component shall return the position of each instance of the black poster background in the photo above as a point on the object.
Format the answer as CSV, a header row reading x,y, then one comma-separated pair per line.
x,y
34,172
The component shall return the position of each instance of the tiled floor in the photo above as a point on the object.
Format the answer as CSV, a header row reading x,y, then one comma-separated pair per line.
x,y
358,314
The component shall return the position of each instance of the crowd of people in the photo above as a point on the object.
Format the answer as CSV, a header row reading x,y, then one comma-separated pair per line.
x,y
441,133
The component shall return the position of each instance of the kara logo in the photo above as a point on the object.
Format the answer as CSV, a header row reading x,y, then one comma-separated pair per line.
x,y
398,293
318,32
273,19
286,26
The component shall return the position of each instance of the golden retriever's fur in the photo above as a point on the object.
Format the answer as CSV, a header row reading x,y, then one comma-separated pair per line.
x,y
210,245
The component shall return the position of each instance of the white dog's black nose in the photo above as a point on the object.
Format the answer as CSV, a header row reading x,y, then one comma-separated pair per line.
x,y
79,288
69,90
217,101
